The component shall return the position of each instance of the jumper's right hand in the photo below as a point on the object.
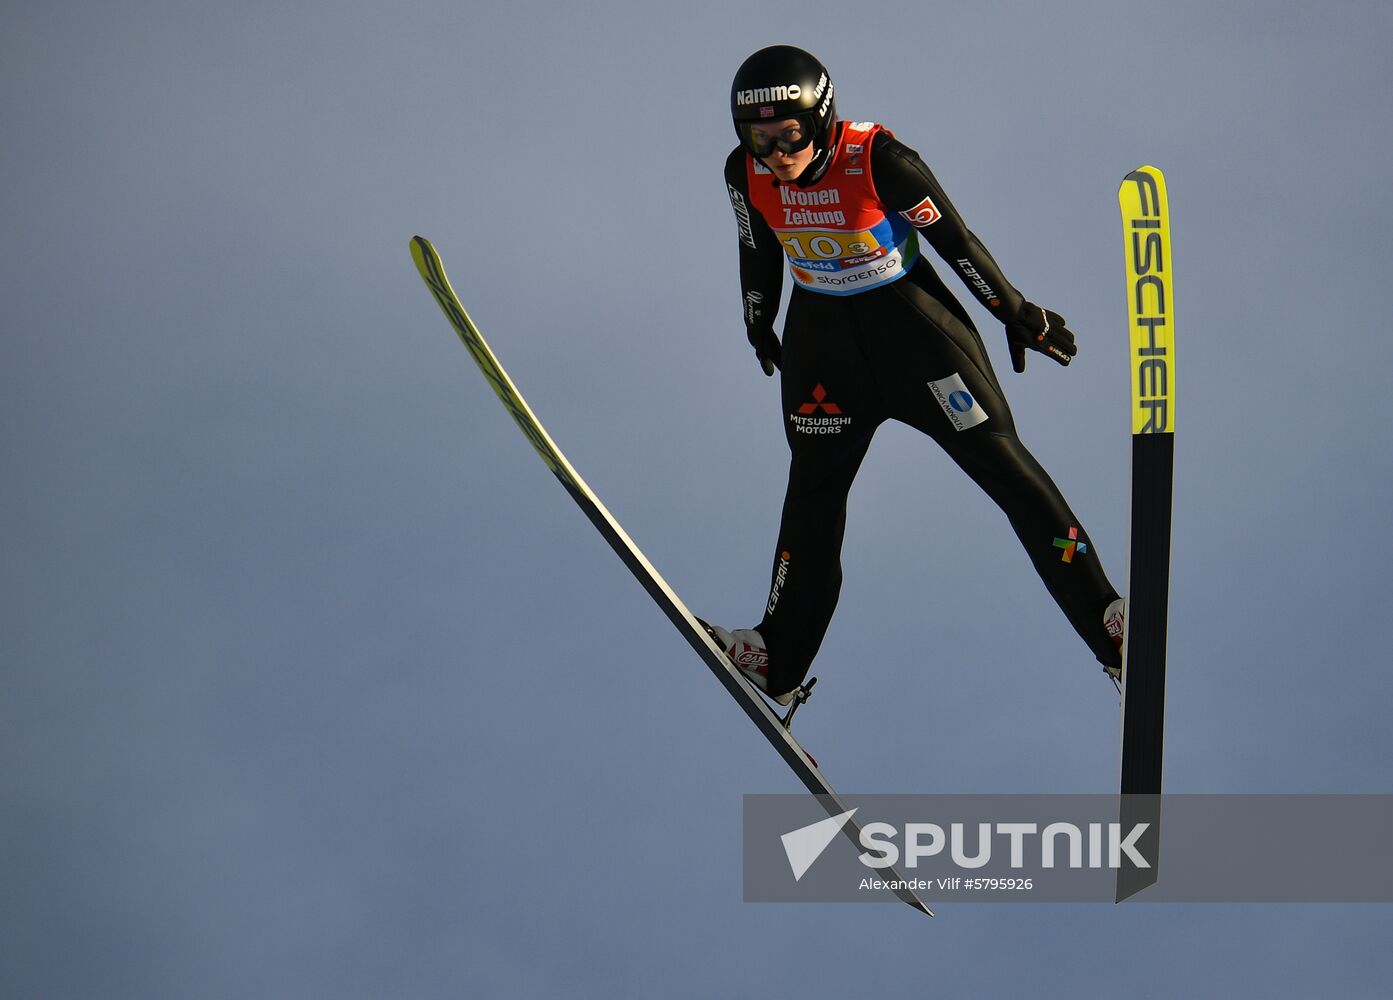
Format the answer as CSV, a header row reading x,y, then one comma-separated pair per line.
x,y
767,347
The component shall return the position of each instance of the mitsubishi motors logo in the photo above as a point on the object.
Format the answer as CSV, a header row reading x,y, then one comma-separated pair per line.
x,y
819,403
805,422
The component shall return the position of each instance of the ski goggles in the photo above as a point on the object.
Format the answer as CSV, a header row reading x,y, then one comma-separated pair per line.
x,y
788,135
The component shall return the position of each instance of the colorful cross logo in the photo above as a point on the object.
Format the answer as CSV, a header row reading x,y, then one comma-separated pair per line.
x,y
1071,545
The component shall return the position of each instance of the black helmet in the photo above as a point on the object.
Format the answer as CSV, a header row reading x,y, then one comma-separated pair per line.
x,y
779,83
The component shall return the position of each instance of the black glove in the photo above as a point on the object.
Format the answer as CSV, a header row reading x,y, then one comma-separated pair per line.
x,y
767,348
1040,330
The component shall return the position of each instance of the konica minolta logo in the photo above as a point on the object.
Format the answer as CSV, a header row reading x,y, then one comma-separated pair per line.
x,y
784,92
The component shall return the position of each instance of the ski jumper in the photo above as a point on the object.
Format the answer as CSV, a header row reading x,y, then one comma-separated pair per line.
x,y
872,334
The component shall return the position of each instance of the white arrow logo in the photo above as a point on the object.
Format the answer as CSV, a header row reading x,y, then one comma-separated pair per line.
x,y
806,844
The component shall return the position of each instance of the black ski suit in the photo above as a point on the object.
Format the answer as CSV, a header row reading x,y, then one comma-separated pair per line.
x,y
905,350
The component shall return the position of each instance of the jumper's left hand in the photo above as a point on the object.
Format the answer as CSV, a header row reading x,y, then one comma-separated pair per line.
x,y
1040,330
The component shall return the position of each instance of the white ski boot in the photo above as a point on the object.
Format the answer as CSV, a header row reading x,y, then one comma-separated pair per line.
x,y
745,648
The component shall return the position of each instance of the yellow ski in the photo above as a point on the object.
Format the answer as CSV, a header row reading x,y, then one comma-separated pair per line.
x,y
1151,322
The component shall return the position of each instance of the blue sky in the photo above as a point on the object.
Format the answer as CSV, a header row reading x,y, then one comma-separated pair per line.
x,y
312,681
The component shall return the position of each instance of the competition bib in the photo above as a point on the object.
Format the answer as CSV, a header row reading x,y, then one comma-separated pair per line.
x,y
836,234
